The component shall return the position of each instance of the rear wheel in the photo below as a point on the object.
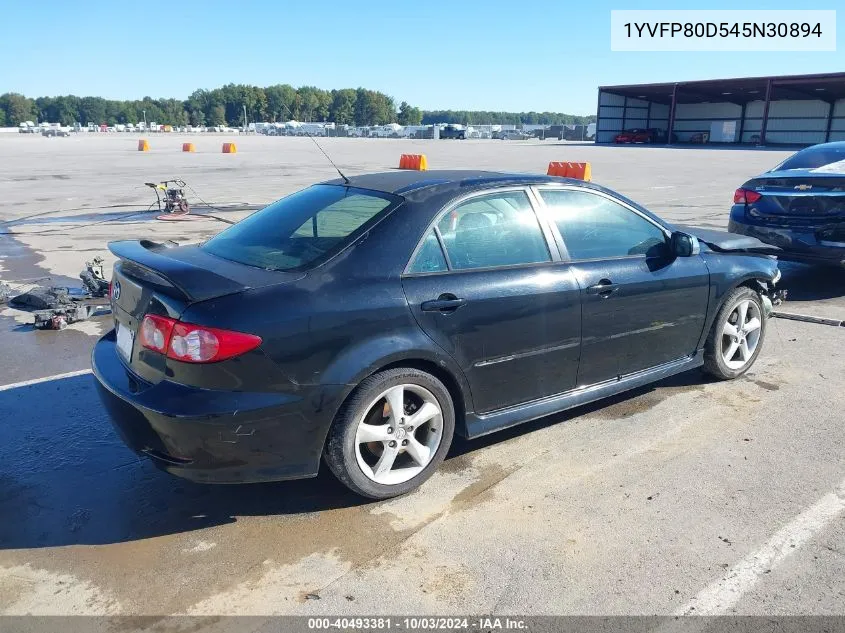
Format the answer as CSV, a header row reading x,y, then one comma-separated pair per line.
x,y
392,433
736,337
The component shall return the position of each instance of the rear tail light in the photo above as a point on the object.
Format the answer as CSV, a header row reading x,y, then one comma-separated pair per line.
x,y
193,343
155,332
746,196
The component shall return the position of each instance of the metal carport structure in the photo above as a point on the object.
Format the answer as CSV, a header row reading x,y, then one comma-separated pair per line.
x,y
782,110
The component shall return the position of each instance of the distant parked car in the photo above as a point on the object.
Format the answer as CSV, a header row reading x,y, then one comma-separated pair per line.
x,y
453,132
514,135
553,131
799,206
635,135
55,131
643,135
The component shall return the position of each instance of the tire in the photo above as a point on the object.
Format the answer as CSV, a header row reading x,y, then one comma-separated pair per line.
x,y
718,359
359,447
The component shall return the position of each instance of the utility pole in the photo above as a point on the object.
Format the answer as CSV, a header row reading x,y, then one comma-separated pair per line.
x,y
145,120
245,128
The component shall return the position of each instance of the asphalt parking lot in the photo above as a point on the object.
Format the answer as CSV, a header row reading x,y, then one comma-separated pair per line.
x,y
689,496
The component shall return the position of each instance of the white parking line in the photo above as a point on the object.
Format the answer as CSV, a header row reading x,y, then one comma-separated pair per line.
x,y
724,594
35,381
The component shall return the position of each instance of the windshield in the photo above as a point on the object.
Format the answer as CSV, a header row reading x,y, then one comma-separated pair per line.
x,y
303,229
813,157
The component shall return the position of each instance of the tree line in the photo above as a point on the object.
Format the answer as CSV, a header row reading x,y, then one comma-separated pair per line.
x,y
282,102
477,117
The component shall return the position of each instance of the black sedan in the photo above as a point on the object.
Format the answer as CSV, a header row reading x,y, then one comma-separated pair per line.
x,y
364,321
799,206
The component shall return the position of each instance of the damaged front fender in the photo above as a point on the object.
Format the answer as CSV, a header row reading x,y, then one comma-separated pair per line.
x,y
770,295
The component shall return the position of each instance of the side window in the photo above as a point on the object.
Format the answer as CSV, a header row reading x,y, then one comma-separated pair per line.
x,y
595,227
430,257
497,229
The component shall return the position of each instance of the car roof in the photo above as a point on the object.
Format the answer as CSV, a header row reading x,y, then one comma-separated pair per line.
x,y
404,181
832,144
440,186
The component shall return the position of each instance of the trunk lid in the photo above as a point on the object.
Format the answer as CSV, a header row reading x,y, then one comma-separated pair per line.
x,y
153,278
799,196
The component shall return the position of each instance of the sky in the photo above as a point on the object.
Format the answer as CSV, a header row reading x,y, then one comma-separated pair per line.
x,y
541,55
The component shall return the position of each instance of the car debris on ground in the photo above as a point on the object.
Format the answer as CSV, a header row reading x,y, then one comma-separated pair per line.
x,y
94,279
56,307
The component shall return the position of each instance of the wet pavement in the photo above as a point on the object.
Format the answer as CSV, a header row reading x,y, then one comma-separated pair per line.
x,y
661,473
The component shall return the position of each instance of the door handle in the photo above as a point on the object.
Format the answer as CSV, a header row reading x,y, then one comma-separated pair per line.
x,y
603,288
445,303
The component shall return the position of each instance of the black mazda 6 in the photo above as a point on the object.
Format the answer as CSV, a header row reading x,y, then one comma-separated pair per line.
x,y
364,321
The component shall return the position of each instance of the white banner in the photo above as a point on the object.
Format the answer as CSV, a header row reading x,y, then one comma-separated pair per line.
x,y
722,30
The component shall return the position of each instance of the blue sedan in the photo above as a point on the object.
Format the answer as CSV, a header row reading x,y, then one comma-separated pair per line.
x,y
799,206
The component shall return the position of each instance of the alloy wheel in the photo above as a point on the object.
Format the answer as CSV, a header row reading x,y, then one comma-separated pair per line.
x,y
399,434
741,334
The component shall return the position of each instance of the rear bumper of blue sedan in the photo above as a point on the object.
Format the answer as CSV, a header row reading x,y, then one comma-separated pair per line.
x,y
799,242
211,436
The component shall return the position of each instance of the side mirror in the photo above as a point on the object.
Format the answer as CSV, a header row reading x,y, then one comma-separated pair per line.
x,y
684,245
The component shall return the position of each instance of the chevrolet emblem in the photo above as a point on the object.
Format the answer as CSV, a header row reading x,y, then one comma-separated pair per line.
x,y
803,187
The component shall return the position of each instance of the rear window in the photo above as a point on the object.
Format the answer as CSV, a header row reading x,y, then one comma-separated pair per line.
x,y
812,158
303,229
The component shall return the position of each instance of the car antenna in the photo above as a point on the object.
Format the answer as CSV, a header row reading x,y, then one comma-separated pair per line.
x,y
345,179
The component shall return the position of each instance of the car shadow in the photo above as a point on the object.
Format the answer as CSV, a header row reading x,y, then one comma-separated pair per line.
x,y
811,282
66,478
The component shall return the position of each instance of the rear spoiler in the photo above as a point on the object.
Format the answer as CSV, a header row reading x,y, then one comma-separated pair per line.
x,y
724,242
150,262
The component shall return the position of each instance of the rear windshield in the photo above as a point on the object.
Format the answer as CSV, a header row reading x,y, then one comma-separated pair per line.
x,y
303,229
812,158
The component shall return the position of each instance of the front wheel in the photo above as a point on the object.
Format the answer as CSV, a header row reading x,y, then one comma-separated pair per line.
x,y
392,434
736,337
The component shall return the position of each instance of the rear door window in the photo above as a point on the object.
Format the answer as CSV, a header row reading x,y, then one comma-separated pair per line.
x,y
497,229
303,229
429,257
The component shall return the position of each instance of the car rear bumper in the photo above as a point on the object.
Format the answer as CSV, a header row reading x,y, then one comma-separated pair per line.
x,y
212,436
799,243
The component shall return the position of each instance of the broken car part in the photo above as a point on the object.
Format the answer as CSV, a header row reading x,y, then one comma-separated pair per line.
x,y
94,279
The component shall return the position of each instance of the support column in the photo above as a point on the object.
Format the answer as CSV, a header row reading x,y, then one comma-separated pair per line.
x,y
765,123
742,122
624,113
830,105
672,115
598,118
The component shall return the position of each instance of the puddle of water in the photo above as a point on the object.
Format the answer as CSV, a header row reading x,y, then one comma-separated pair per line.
x,y
116,217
